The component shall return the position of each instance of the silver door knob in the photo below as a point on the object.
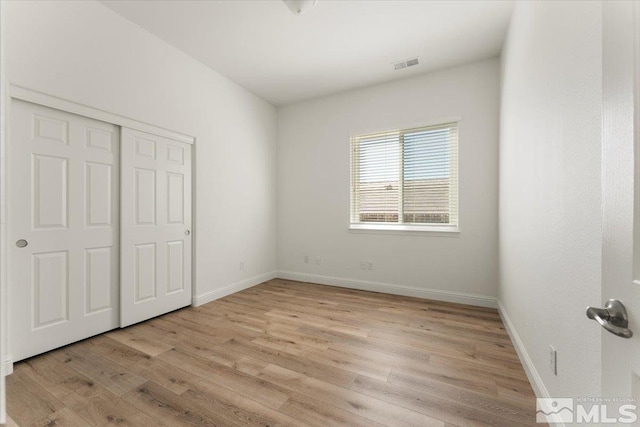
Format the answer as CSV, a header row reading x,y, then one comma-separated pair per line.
x,y
186,233
21,243
613,317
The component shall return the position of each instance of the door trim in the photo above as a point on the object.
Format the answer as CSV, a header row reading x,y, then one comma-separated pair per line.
x,y
636,142
13,91
6,363
50,101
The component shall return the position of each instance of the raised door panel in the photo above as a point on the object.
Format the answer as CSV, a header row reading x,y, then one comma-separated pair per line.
x,y
99,194
98,289
100,139
175,198
145,196
50,191
145,272
50,288
175,266
145,148
175,155
50,129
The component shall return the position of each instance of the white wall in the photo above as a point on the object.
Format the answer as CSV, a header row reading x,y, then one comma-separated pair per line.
x,y
84,52
313,187
550,189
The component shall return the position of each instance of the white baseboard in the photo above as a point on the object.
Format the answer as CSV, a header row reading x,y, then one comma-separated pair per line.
x,y
388,288
7,364
529,368
232,288
534,378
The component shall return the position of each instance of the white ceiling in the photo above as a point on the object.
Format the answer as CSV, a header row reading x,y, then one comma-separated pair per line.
x,y
338,45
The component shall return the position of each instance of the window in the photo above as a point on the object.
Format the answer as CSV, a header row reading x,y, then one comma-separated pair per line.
x,y
405,179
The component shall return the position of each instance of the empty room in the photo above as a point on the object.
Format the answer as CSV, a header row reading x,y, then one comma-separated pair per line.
x,y
319,213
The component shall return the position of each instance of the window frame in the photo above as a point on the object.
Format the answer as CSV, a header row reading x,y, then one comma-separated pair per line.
x,y
402,228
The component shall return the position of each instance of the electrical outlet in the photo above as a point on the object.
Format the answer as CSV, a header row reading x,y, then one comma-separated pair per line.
x,y
553,360
306,259
369,265
241,266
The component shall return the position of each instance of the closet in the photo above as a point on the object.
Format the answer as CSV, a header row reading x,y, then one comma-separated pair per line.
x,y
99,220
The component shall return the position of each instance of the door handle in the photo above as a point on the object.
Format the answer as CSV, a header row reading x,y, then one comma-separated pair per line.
x,y
21,243
613,317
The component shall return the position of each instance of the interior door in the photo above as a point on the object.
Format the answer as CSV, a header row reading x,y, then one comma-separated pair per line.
x,y
64,242
621,197
156,226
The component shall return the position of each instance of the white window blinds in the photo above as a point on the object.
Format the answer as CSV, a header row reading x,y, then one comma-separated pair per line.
x,y
407,176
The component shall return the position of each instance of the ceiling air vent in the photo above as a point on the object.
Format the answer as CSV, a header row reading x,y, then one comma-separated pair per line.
x,y
404,64
399,65
412,62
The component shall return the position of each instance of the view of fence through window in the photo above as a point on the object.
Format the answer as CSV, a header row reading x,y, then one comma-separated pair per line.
x,y
406,176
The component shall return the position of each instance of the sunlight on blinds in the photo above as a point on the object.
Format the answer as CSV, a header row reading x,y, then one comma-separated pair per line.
x,y
406,177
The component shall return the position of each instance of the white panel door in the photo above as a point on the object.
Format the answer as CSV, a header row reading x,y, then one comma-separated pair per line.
x,y
156,226
620,362
64,241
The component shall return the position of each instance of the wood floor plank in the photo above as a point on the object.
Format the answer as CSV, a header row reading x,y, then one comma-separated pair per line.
x,y
64,417
141,343
367,345
122,354
313,412
356,363
285,353
429,373
349,400
238,408
56,378
251,386
165,406
10,422
311,368
457,407
27,401
110,375
293,334
482,367
153,369
100,407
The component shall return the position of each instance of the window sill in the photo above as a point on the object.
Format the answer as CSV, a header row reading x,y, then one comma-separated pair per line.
x,y
434,230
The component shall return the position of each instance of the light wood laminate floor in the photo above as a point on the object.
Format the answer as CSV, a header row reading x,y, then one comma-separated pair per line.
x,y
285,353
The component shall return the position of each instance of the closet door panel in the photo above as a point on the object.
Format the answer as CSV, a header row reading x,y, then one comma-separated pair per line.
x,y
64,233
156,226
